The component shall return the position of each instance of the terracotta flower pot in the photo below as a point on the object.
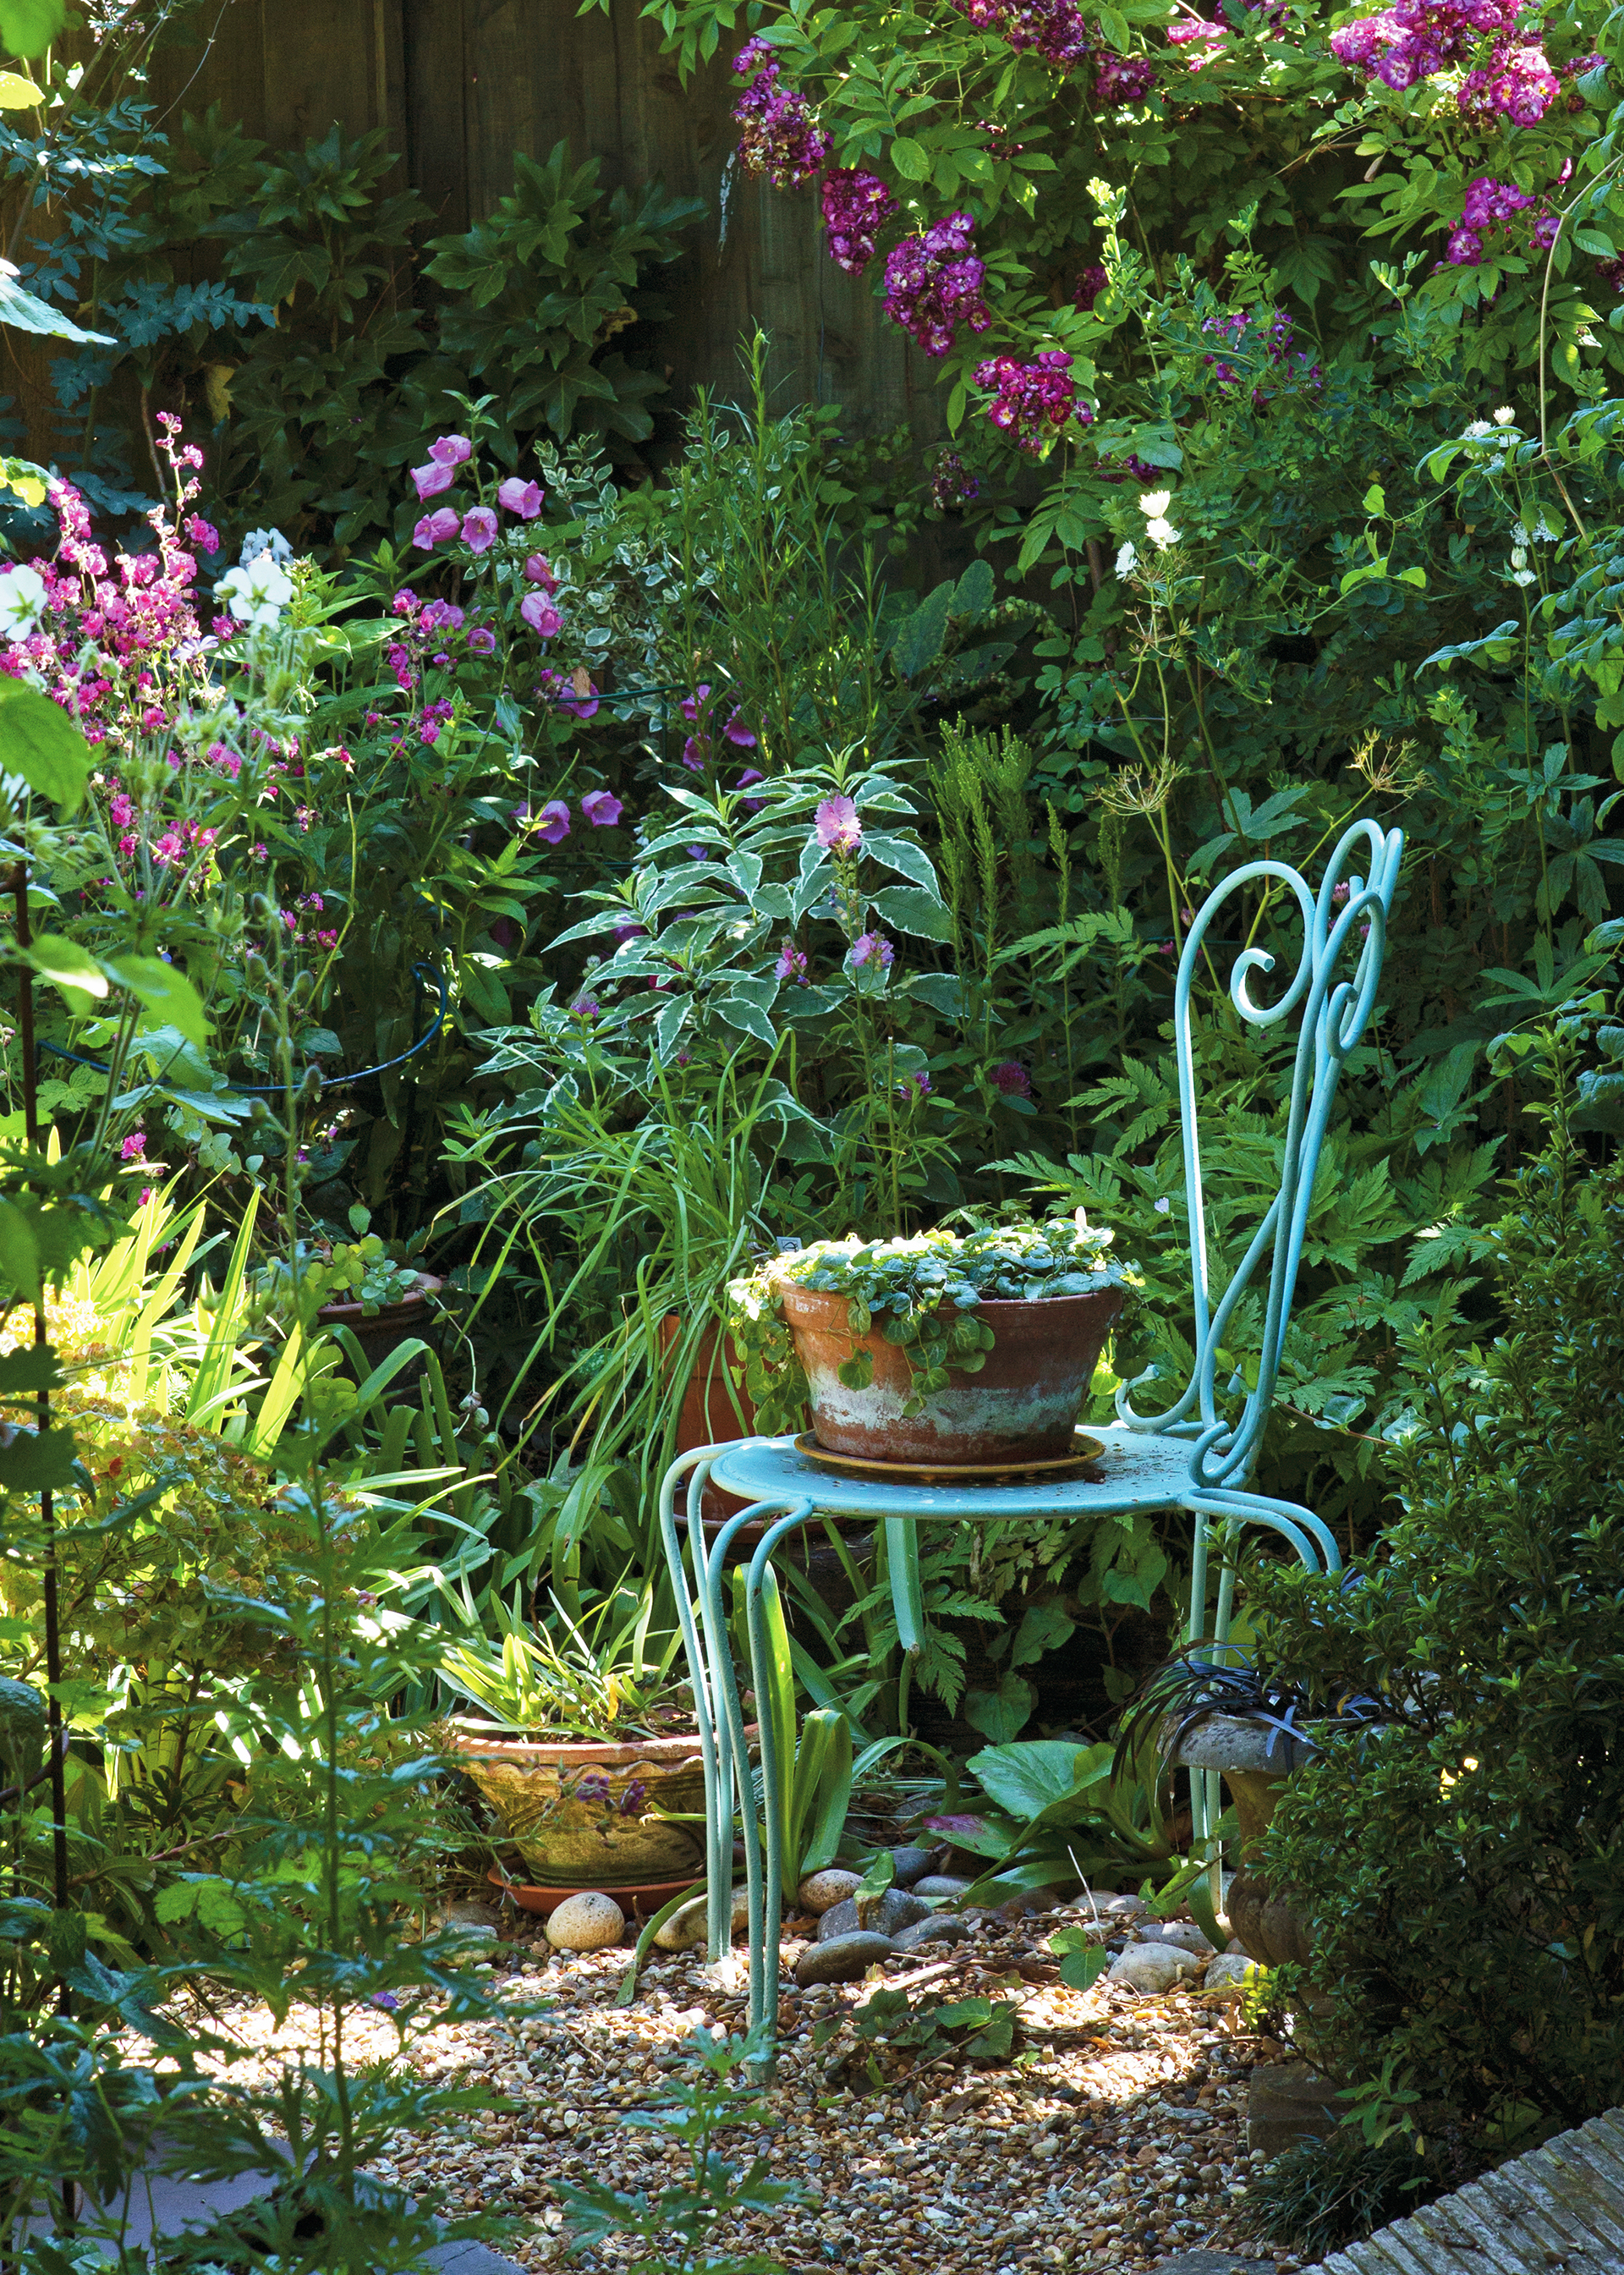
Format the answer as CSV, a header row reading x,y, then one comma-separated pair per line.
x,y
380,1331
609,1834
1022,1406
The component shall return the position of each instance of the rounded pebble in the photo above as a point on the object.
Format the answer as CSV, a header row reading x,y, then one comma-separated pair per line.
x,y
843,1958
1229,1969
833,1886
941,1884
910,1864
840,1919
1187,1936
685,1929
587,1923
1151,1966
942,1927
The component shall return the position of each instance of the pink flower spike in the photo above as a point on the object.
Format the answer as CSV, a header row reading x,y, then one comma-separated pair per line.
x,y
540,613
479,529
431,480
872,948
521,498
553,821
837,826
434,528
451,450
602,808
538,571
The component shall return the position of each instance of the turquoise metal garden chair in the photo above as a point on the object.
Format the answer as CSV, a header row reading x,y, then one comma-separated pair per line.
x,y
1189,1456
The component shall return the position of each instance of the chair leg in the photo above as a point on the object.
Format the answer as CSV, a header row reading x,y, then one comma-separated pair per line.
x,y
766,1903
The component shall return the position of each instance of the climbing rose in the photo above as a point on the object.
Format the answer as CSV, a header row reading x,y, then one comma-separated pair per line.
x,y
934,281
777,137
855,206
1032,400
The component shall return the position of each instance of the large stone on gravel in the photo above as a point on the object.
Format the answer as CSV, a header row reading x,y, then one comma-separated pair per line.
x,y
833,1886
910,1864
1152,1967
941,1884
1125,1908
888,1916
1182,1933
685,1929
843,1958
587,1923
1230,1970
942,1927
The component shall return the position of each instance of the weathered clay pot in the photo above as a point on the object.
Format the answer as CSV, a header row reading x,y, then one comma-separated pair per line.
x,y
533,1784
716,1407
1022,1406
1254,1760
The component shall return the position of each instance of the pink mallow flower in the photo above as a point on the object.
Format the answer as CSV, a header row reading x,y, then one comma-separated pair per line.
x,y
434,528
451,450
602,808
479,529
540,613
837,825
521,498
553,821
431,480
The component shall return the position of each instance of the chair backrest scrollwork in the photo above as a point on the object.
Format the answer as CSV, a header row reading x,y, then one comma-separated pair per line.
x,y
1348,909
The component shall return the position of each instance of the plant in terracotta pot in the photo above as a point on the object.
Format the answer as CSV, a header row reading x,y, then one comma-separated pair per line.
x,y
956,1349
582,1743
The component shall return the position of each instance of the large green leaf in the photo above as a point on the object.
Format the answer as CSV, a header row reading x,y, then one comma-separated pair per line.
x,y
68,966
39,742
162,991
28,27
24,313
1043,1780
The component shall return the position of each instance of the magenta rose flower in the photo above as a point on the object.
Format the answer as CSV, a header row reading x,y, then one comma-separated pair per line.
x,y
451,450
553,821
431,479
479,529
434,528
521,498
602,808
540,613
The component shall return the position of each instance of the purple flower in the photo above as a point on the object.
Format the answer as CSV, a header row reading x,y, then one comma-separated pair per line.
x,y
133,1146
872,948
791,963
432,478
737,732
855,206
1052,29
1010,1078
1033,400
434,528
441,616
387,2000
451,450
933,282
482,640
540,613
1091,283
1124,78
203,533
479,529
602,808
914,1088
592,1787
837,826
633,1797
582,700
553,821
521,498
537,570
777,137
586,1007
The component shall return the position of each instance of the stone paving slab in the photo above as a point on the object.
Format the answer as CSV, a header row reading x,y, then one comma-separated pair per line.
x,y
1557,2211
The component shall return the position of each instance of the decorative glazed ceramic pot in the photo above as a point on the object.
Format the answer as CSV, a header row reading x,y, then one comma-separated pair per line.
x,y
593,1815
1022,1406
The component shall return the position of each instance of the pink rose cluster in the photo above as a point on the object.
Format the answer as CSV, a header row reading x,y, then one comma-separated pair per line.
x,y
1052,29
856,207
1124,78
1489,207
1516,81
933,283
953,486
1032,401
777,135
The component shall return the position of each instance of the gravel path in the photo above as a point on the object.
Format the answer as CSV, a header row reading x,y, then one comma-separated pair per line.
x,y
1113,2138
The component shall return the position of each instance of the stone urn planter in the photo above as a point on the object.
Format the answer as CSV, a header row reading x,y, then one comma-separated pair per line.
x,y
1021,1406
1255,1760
587,1814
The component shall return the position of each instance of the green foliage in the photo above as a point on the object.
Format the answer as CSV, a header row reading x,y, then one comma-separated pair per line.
x,y
1462,1867
1062,1812
913,2037
607,1677
1321,2194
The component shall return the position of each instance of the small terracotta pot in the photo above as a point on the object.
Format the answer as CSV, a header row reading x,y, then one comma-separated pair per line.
x,y
1022,1406
531,1784
380,1331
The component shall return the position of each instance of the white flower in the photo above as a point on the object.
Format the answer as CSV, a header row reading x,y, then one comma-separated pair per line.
x,y
265,541
22,597
1519,553
1541,534
1504,416
1163,1206
1161,533
1522,577
1519,535
1154,503
1127,560
1478,428
257,595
